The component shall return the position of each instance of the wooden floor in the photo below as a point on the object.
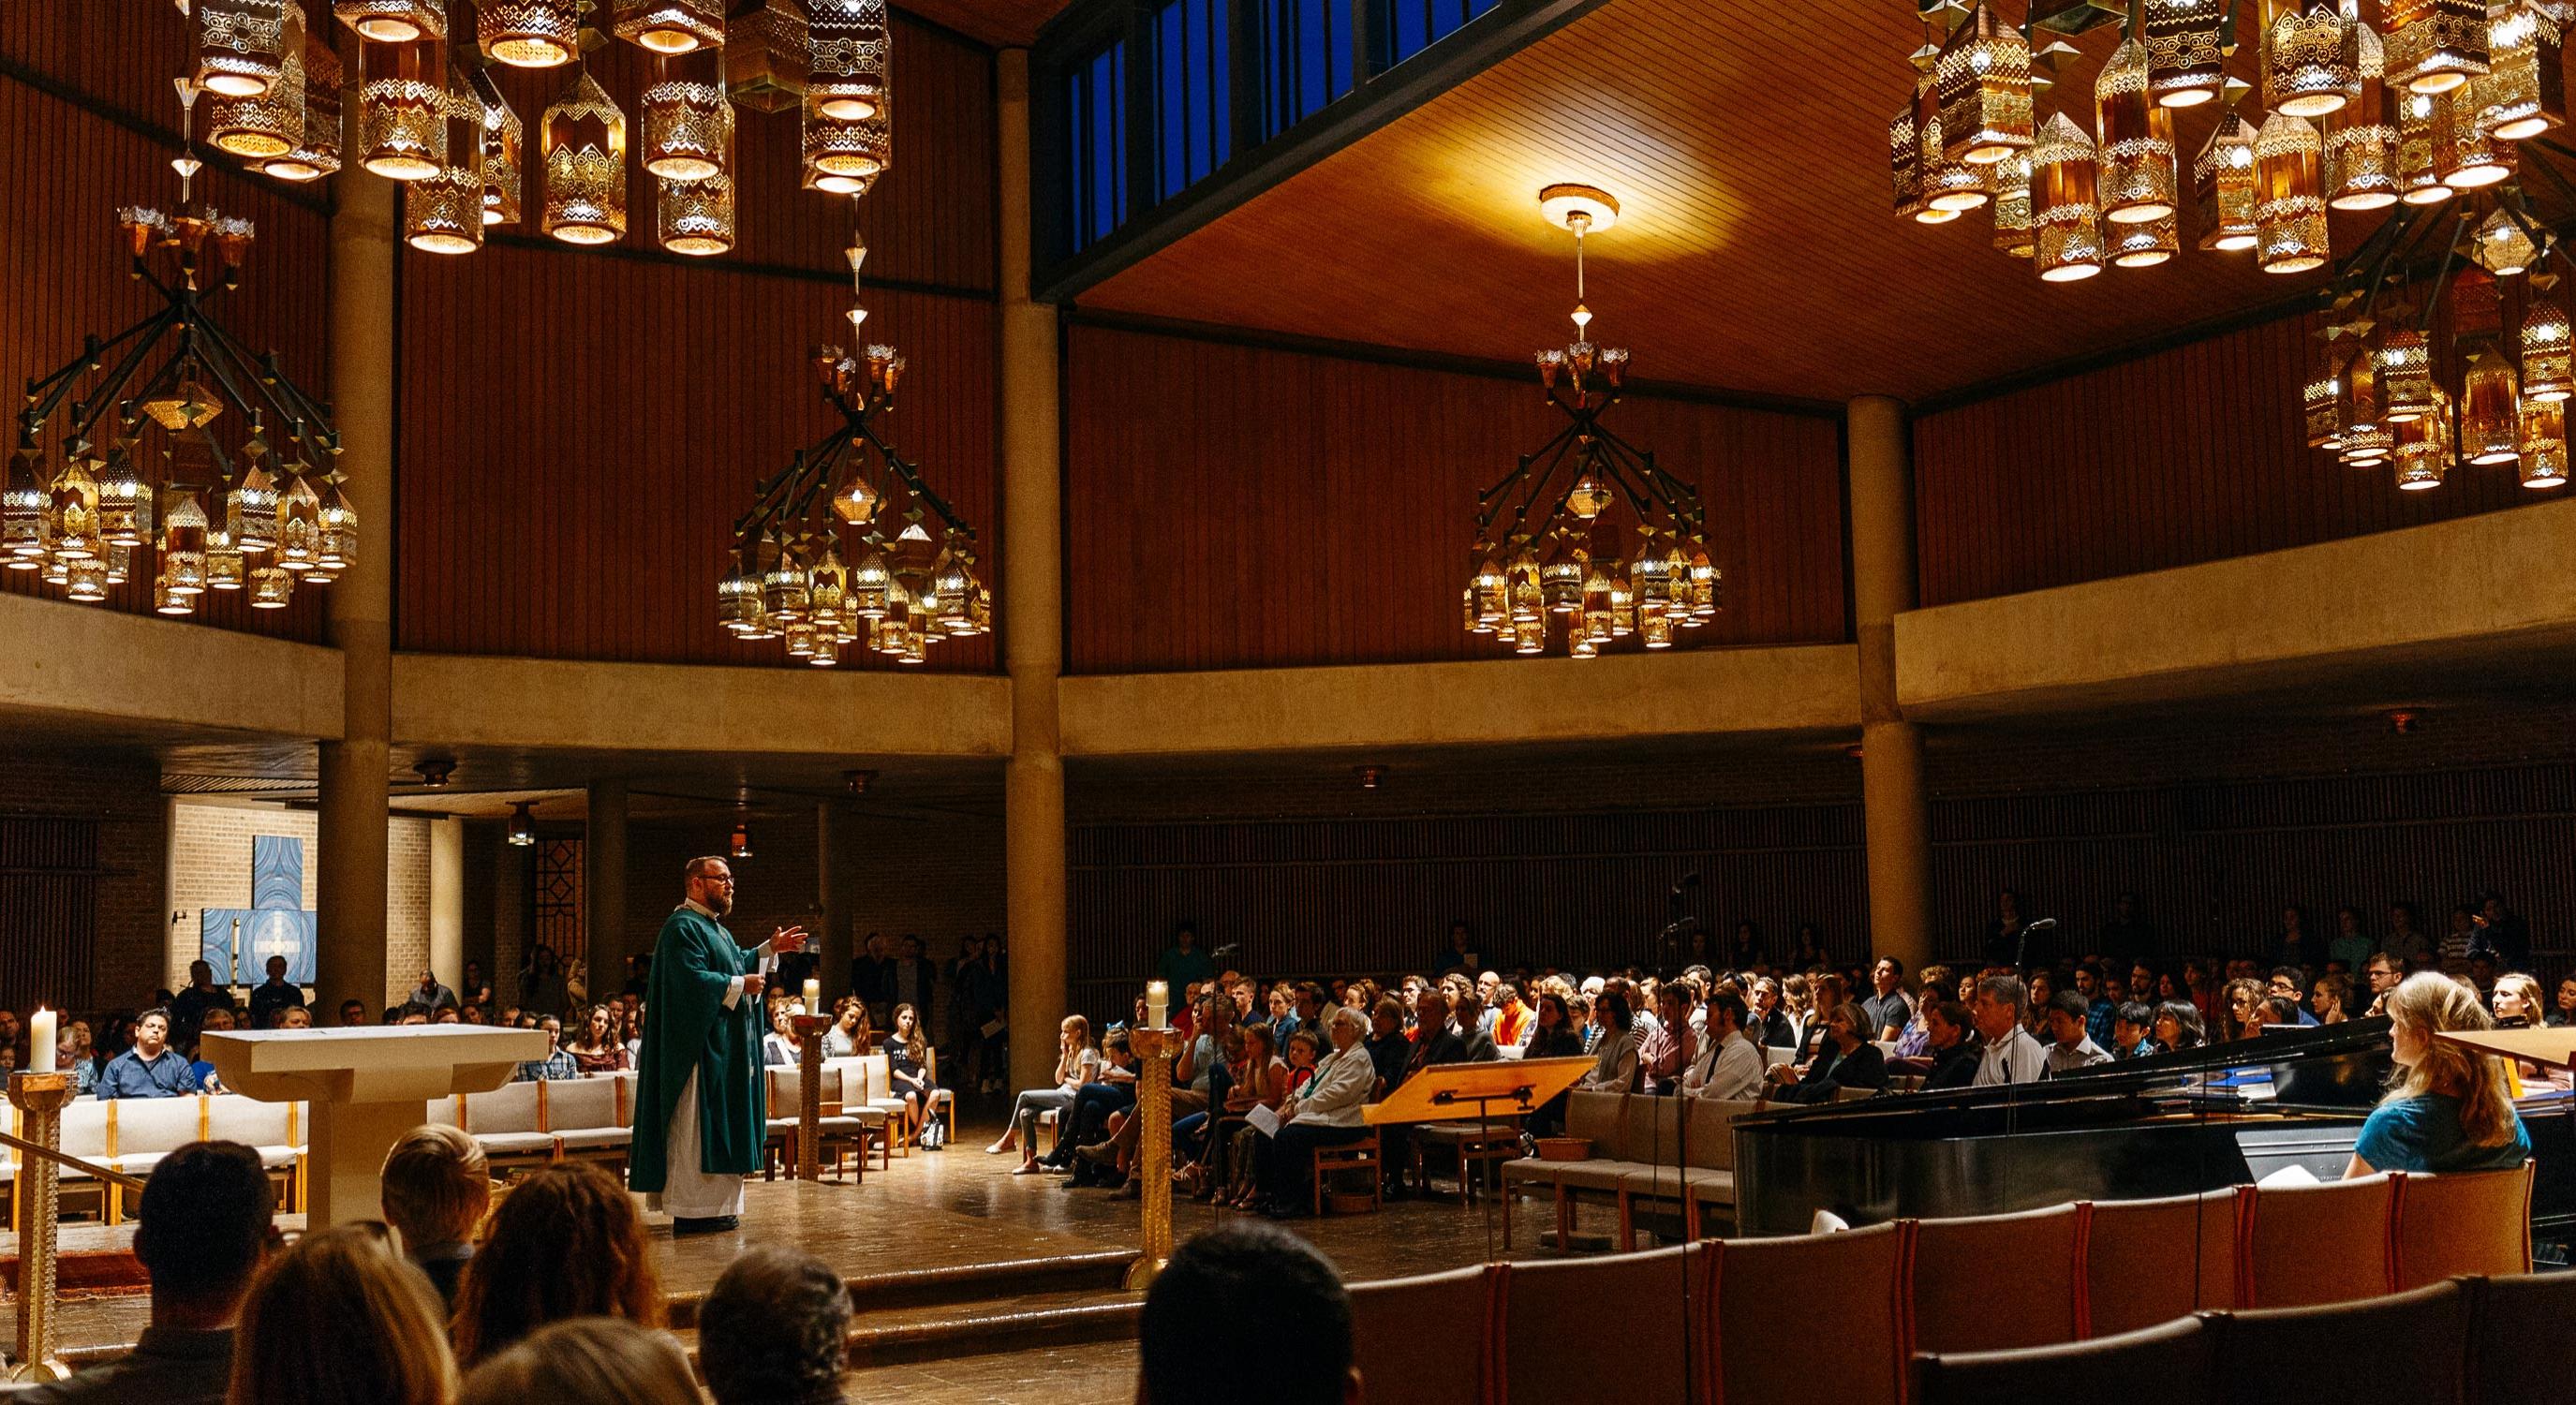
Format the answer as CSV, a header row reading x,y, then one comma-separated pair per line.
x,y
958,1208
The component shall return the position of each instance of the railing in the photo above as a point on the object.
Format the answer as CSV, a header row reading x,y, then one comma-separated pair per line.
x,y
118,1179
1152,116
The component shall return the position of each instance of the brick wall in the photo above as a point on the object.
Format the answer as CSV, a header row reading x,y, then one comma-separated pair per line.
x,y
210,844
118,961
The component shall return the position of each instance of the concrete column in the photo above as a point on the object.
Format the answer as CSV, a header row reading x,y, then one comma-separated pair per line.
x,y
1884,584
1032,603
836,881
603,887
350,893
447,901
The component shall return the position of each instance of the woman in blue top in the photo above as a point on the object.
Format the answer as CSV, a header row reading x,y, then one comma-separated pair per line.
x,y
2449,1109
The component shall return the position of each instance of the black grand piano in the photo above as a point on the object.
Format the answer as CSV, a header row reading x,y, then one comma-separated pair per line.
x,y
2174,1124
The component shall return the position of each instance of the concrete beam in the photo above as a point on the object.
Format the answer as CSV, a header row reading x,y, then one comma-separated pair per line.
x,y
1687,692
458,700
2491,589
91,664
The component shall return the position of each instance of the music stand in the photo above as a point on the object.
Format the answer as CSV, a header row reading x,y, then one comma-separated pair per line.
x,y
1456,1092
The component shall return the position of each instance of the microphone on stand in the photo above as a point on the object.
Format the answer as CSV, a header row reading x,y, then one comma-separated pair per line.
x,y
2021,943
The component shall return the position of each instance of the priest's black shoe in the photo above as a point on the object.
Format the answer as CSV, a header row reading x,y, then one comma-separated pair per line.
x,y
712,1224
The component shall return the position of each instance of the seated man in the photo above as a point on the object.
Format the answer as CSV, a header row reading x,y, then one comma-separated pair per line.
x,y
557,1064
201,1232
1326,1112
437,1186
771,1330
2070,1048
1245,1293
1734,1070
151,1069
2133,1031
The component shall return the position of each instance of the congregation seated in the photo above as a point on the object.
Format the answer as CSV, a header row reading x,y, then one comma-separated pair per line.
x,y
203,1227
339,1317
567,1242
771,1330
437,1186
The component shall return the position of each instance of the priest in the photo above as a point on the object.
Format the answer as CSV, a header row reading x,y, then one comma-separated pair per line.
x,y
701,1108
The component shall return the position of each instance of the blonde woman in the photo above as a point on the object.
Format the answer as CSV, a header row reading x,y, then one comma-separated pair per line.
x,y
1076,1063
2448,1108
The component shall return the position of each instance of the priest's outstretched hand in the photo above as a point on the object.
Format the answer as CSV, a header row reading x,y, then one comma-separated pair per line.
x,y
787,939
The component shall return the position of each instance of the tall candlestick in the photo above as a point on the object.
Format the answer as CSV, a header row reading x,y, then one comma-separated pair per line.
x,y
813,997
40,1041
1158,998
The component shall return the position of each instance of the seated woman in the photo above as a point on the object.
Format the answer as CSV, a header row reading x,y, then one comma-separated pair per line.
x,y
597,1049
1264,1083
1113,1092
1077,1063
2518,1006
780,1045
1846,1059
1614,1058
1326,1112
1553,1035
2447,1109
908,1070
2178,1026
850,1034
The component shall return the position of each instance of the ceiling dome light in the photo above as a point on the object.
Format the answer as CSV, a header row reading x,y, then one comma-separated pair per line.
x,y
1561,205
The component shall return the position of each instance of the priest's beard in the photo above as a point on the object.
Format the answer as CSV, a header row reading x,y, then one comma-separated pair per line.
x,y
719,902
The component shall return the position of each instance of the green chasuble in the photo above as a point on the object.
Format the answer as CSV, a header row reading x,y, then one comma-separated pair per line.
x,y
688,1030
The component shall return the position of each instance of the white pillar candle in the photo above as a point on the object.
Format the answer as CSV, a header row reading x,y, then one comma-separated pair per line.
x,y
813,997
1158,998
40,1041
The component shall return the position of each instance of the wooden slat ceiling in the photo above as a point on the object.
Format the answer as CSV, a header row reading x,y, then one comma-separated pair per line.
x,y
996,22
1756,250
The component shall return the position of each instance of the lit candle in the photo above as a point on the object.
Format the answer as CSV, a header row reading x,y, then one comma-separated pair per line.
x,y
40,1041
813,997
1158,997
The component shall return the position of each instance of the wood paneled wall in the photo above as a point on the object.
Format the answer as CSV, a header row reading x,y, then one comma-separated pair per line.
x,y
578,434
579,431
2188,455
67,169
2214,862
1231,506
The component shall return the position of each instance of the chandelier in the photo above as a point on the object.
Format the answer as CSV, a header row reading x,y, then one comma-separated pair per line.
x,y
2443,116
429,114
1559,556
895,590
139,466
